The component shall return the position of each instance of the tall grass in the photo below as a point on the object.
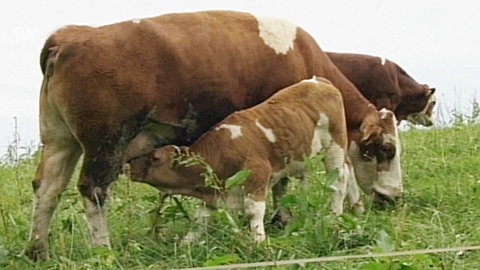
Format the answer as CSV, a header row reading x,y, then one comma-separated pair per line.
x,y
440,209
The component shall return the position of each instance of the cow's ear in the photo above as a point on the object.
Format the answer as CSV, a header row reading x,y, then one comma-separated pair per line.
x,y
184,151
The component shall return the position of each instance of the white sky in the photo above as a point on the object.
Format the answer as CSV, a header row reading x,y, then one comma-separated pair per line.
x,y
435,41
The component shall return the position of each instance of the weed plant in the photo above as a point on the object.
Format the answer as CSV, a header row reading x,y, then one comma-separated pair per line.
x,y
440,208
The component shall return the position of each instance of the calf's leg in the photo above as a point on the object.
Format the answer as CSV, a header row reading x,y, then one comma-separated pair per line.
x,y
335,160
255,196
282,216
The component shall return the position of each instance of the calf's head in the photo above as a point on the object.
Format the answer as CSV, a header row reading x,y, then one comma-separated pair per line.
x,y
376,158
162,170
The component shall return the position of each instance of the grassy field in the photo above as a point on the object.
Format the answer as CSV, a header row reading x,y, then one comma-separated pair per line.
x,y
441,208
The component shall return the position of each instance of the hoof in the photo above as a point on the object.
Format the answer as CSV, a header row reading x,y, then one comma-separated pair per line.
x,y
281,219
37,252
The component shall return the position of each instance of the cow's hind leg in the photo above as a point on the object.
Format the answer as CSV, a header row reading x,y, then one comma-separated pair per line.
x,y
101,166
58,159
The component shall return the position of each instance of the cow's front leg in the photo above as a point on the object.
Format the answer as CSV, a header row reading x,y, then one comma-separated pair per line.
x,y
255,212
353,191
255,195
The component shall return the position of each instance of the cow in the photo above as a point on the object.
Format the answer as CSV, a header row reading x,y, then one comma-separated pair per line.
x,y
115,92
270,140
387,85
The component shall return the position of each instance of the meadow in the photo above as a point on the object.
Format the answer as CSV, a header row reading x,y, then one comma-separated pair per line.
x,y
440,208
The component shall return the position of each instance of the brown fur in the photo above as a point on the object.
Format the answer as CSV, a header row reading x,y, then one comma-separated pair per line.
x,y
387,86
115,92
292,114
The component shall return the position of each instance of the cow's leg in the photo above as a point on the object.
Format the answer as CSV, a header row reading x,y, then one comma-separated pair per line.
x,y
353,191
282,216
57,163
101,166
255,196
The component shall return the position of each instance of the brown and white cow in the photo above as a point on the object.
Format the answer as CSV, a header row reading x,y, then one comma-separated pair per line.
x,y
387,85
115,92
271,141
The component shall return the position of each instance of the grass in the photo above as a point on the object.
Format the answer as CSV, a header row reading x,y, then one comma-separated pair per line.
x,y
440,209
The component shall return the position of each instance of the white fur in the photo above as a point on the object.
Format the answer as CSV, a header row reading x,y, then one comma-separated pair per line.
x,y
235,130
267,131
311,80
277,34
387,182
97,223
136,21
383,60
255,211
321,135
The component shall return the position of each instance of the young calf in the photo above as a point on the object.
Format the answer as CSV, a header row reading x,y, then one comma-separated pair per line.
x,y
270,140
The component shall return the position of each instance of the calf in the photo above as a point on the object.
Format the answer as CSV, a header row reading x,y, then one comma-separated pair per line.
x,y
270,140
387,85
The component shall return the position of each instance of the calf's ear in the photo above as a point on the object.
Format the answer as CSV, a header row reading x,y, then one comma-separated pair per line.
x,y
178,154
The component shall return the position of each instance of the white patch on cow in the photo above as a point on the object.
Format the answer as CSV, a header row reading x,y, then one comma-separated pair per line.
x,y
97,223
255,211
389,181
267,131
383,60
136,21
235,130
277,34
314,79
321,135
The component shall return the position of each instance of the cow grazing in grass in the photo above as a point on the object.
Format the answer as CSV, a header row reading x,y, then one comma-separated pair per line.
x,y
271,141
116,92
387,85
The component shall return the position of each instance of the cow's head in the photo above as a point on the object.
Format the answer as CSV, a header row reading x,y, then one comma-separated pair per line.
x,y
424,117
376,158
417,107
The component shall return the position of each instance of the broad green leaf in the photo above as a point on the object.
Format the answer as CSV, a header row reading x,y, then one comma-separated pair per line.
x,y
237,179
221,260
385,242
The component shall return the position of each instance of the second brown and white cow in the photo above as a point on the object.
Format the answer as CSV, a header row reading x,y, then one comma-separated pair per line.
x,y
271,141
387,85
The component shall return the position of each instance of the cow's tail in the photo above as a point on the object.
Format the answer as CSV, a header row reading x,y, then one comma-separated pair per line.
x,y
48,55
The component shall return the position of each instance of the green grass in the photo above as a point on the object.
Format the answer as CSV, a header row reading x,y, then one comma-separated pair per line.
x,y
441,208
